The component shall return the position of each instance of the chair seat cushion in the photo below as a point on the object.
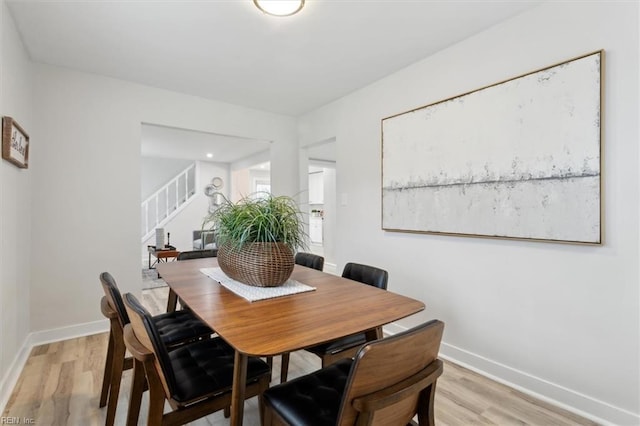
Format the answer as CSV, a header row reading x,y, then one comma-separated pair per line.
x,y
311,400
206,367
339,344
197,245
180,326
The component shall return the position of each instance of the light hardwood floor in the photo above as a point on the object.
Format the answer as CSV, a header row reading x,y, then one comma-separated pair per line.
x,y
60,385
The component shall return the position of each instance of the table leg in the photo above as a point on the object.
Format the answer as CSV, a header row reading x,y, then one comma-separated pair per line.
x,y
374,334
172,301
238,388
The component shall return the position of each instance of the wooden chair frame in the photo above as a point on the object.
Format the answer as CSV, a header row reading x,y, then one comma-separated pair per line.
x,y
371,400
146,365
301,259
329,358
115,363
424,383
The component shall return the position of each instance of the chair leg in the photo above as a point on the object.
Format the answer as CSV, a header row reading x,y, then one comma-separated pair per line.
x,y
261,409
269,361
172,301
137,388
284,367
330,358
156,397
106,379
116,378
325,361
268,416
379,333
426,415
262,406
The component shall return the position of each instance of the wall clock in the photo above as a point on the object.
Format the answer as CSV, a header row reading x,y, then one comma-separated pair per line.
x,y
212,191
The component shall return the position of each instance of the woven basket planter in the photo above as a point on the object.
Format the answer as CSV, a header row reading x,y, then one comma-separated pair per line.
x,y
257,264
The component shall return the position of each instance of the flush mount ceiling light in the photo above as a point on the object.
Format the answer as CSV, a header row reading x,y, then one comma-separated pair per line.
x,y
279,7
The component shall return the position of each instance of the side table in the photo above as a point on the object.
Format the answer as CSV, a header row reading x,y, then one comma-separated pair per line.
x,y
161,255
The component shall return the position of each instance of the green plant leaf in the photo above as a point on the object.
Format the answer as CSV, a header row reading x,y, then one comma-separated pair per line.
x,y
263,218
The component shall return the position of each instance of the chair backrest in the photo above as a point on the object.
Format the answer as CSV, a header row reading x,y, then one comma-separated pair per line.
x,y
381,364
366,274
205,237
114,298
147,333
310,260
197,254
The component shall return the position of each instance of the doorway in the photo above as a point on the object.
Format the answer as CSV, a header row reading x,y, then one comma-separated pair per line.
x,y
252,180
322,200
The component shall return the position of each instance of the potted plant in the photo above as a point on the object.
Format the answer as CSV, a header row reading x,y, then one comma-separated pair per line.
x,y
257,238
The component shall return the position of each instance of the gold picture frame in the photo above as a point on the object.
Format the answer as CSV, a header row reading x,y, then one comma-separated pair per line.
x,y
15,143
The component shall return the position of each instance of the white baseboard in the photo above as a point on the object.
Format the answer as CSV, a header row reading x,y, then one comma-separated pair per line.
x,y
330,268
13,373
570,400
393,328
70,332
37,338
583,405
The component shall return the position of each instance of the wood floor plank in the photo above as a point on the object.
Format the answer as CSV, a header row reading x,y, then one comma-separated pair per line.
x,y
61,383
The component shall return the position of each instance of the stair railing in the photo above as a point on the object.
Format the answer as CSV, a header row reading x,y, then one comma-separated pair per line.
x,y
166,202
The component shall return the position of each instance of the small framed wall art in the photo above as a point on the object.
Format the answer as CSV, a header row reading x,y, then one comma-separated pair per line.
x,y
15,143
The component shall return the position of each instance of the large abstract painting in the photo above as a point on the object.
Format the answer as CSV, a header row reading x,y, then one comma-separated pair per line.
x,y
517,159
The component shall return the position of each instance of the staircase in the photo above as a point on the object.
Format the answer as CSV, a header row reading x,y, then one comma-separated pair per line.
x,y
168,201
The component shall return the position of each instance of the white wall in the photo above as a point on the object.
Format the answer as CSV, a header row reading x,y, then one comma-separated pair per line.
x,y
559,320
15,204
257,176
86,178
157,172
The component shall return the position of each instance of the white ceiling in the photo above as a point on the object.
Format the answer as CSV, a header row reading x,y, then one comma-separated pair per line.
x,y
169,142
229,51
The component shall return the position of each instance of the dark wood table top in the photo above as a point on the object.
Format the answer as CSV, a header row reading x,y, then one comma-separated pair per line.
x,y
338,307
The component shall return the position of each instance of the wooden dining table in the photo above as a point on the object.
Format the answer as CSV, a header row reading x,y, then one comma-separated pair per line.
x,y
337,307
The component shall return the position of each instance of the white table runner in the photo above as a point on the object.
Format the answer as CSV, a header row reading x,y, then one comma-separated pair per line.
x,y
253,293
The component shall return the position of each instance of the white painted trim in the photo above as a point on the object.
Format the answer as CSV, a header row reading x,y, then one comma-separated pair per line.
x,y
175,213
583,405
37,338
330,268
10,379
393,328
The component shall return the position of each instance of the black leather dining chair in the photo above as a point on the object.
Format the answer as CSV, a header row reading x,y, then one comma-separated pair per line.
x,y
310,260
174,329
388,382
347,346
197,254
195,379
